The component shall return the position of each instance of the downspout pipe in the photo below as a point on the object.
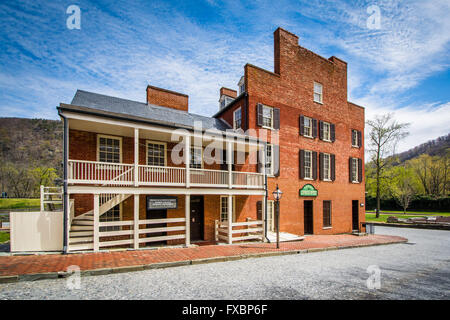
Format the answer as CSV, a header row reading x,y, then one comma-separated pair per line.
x,y
65,188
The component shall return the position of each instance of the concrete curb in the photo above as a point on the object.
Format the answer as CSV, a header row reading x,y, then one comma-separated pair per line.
x,y
413,226
162,265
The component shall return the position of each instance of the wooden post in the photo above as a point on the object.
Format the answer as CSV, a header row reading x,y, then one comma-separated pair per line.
x,y
216,230
42,198
230,164
187,210
136,221
187,159
136,157
230,219
96,222
263,217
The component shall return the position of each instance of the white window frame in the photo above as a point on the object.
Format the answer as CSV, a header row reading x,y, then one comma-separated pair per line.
x,y
109,137
224,210
310,177
310,127
271,117
355,170
147,142
240,118
328,125
355,138
328,172
271,215
318,92
190,160
269,170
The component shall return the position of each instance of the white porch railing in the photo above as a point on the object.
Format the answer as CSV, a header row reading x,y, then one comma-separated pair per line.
x,y
100,172
119,174
240,231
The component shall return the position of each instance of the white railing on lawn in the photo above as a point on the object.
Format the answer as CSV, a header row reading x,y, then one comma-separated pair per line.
x,y
51,196
100,172
119,174
240,231
153,175
206,177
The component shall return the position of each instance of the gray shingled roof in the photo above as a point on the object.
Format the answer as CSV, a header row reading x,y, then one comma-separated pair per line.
x,y
93,102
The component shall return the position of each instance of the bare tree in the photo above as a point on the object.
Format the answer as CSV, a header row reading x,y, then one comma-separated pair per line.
x,y
384,135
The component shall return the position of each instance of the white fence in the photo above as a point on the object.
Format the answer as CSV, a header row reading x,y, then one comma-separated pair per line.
x,y
51,196
240,231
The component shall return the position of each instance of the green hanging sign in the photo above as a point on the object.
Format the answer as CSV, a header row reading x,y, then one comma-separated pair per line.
x,y
308,190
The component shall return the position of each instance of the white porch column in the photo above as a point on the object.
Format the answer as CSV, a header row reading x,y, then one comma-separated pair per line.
x,y
187,159
136,221
136,157
96,222
42,198
230,218
187,210
230,165
263,217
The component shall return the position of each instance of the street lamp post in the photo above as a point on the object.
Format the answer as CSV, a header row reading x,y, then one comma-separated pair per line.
x,y
277,196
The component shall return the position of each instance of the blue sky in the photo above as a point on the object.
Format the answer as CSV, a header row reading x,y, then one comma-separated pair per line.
x,y
197,47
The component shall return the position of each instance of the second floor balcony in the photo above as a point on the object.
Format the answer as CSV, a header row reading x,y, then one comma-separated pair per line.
x,y
121,174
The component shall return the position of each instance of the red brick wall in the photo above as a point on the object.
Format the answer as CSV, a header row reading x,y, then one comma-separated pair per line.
x,y
290,88
167,98
228,92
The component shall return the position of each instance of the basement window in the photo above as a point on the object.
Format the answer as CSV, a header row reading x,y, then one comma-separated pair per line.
x,y
111,215
224,208
326,213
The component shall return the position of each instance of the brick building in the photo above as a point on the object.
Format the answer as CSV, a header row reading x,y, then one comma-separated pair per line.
x,y
141,174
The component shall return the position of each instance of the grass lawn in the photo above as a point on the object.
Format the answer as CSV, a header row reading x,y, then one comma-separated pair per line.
x,y
383,217
4,236
19,203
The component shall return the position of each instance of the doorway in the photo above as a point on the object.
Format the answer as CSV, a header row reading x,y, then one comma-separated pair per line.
x,y
355,215
196,218
308,217
156,214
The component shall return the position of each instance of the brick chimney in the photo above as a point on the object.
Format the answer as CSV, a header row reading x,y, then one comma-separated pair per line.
x,y
228,92
167,98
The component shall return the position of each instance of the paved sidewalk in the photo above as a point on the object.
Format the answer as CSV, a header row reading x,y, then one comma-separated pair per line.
x,y
33,267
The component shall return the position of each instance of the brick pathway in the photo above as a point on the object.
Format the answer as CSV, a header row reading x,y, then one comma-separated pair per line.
x,y
34,264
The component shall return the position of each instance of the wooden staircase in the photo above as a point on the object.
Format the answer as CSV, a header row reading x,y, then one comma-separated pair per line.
x,y
81,232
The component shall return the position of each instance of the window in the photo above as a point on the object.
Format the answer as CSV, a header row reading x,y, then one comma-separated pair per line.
x,y
156,154
317,92
327,214
326,131
241,85
237,116
267,117
109,149
326,166
354,138
196,158
224,208
354,170
308,164
270,216
110,216
269,159
308,127
225,100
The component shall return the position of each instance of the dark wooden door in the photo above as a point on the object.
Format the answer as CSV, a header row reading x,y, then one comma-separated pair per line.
x,y
308,216
196,218
156,214
355,214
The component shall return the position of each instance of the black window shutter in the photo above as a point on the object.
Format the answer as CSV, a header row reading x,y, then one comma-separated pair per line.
x,y
314,163
302,125
276,118
359,139
321,130
259,213
350,163
302,164
314,128
321,166
333,167
332,132
359,170
276,160
259,114
223,165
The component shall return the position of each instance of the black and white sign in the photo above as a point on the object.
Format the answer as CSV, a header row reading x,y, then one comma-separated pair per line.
x,y
161,202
